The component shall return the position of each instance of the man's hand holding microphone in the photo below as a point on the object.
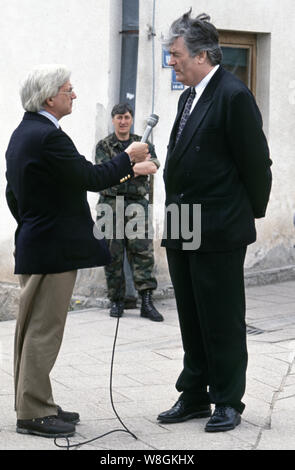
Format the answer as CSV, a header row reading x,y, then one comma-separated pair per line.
x,y
139,151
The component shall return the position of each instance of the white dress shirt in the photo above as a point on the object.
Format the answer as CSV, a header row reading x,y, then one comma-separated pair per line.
x,y
49,116
200,87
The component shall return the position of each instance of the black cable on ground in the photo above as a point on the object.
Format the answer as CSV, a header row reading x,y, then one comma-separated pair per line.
x,y
68,445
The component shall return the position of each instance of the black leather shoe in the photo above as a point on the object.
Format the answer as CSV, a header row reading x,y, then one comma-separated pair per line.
x,y
117,309
49,426
224,418
182,412
148,310
68,416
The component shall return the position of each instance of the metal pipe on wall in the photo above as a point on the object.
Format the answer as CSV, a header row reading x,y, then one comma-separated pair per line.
x,y
128,79
130,33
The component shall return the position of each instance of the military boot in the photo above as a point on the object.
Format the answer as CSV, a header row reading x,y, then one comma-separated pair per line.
x,y
117,309
148,310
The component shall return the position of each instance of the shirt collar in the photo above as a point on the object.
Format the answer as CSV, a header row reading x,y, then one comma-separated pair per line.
x,y
49,116
200,87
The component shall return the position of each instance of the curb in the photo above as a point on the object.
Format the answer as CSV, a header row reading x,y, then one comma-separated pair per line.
x,y
252,278
9,292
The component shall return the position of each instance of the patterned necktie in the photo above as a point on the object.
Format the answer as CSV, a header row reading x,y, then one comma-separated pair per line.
x,y
186,113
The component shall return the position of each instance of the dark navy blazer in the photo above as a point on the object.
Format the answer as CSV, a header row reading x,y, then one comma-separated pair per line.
x,y
220,161
46,192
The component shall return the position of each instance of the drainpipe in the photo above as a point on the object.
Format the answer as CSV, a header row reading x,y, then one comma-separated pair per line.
x,y
130,32
151,36
129,59
129,55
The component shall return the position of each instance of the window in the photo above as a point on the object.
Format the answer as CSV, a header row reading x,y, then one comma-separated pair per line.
x,y
239,55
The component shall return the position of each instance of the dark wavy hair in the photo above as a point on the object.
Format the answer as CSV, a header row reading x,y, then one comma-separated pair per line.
x,y
198,34
122,108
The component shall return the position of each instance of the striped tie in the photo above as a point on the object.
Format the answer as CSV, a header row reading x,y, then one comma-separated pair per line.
x,y
186,113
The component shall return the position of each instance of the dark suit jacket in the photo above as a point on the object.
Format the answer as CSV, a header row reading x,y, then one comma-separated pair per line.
x,y
221,161
46,192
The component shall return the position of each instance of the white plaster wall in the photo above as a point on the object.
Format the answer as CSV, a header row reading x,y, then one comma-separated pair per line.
x,y
84,36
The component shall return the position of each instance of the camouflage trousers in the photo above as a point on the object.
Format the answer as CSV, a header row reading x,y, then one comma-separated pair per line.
x,y
139,251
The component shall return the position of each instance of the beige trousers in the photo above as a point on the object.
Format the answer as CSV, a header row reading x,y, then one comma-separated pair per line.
x,y
44,302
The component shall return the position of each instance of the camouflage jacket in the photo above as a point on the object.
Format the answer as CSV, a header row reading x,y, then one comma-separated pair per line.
x,y
136,187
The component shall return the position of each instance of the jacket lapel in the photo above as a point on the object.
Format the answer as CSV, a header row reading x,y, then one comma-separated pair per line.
x,y
194,121
182,102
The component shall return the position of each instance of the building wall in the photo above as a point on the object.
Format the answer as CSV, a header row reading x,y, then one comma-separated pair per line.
x,y
82,35
275,95
85,36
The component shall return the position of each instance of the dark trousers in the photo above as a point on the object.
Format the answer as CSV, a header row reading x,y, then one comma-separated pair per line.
x,y
210,298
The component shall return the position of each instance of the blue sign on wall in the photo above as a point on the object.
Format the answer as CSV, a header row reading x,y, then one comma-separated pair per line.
x,y
165,58
175,85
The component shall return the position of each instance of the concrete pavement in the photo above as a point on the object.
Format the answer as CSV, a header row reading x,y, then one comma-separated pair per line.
x,y
148,359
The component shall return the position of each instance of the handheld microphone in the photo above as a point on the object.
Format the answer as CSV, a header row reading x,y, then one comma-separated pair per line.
x,y
151,122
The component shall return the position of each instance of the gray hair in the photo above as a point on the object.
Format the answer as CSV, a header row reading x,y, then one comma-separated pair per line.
x,y
198,34
42,83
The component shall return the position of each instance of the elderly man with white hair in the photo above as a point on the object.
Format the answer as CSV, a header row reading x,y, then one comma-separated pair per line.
x,y
47,184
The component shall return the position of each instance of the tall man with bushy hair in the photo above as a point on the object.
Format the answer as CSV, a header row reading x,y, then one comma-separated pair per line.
x,y
218,158
47,184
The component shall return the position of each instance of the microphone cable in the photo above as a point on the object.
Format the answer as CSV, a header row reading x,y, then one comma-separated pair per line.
x,y
68,445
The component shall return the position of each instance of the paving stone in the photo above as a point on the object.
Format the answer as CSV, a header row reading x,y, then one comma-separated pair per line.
x,y
281,435
148,360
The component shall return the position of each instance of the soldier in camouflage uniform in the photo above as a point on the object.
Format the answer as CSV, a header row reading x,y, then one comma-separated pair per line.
x,y
139,250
